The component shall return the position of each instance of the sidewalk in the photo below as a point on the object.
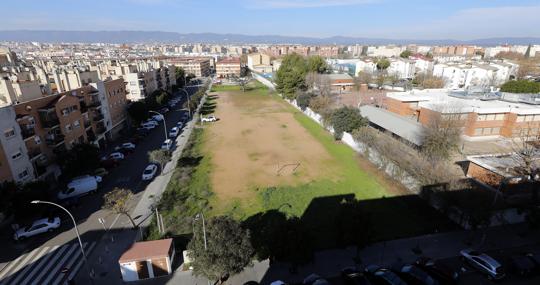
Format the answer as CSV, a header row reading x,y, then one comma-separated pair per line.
x,y
104,259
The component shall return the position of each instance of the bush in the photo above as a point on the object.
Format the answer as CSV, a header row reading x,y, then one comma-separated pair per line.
x,y
521,86
303,100
346,119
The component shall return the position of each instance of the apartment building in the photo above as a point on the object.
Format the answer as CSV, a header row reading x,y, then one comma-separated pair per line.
x,y
259,62
192,65
37,131
484,115
66,79
326,51
228,67
16,88
140,84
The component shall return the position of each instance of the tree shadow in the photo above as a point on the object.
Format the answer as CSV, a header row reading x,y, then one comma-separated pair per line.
x,y
189,161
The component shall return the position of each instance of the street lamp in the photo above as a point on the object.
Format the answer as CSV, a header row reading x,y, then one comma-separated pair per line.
x,y
164,123
76,232
187,96
204,232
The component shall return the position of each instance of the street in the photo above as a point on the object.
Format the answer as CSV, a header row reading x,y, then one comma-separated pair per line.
x,y
52,258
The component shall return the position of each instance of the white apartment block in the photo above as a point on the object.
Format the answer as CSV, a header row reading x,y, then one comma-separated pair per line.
x,y
402,68
73,78
385,51
140,85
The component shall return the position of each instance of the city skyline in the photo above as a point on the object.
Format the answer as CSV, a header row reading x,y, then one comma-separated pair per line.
x,y
421,20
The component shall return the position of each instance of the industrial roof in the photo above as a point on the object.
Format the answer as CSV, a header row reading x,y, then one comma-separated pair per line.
x,y
400,126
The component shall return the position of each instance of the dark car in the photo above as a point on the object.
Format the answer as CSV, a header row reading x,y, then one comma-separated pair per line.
x,y
109,163
414,275
522,265
439,271
314,279
382,276
353,276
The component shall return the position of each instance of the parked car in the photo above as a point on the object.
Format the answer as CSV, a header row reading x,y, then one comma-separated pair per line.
x,y
439,271
157,118
116,156
80,186
314,279
174,132
148,126
142,132
278,282
180,125
484,263
353,276
380,275
522,265
208,119
149,172
127,145
414,275
108,163
167,144
37,227
164,110
101,172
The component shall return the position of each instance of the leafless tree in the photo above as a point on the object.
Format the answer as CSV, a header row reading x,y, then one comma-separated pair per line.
x,y
442,134
527,155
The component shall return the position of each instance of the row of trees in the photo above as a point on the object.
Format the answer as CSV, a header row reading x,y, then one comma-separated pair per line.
x,y
521,86
291,75
138,110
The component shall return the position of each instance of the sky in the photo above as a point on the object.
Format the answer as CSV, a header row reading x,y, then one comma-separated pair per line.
x,y
394,19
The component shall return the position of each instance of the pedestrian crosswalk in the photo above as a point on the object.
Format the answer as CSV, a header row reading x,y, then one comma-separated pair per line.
x,y
46,265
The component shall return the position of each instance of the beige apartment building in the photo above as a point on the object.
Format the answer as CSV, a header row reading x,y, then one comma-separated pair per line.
x,y
228,67
37,131
192,65
17,88
259,62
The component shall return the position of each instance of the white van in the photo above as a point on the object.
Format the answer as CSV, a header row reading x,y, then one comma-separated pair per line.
x,y
79,186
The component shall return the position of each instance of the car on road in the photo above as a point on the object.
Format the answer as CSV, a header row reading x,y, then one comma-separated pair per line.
x,y
314,279
157,118
379,275
149,172
174,132
167,144
37,227
209,119
437,270
180,125
164,110
128,145
148,126
484,263
116,156
414,275
79,186
353,276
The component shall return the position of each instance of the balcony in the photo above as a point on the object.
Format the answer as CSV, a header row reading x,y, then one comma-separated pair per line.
x,y
33,153
54,139
94,103
98,117
100,129
27,131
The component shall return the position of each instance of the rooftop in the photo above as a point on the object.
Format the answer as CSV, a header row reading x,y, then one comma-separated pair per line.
x,y
229,60
406,129
507,165
147,250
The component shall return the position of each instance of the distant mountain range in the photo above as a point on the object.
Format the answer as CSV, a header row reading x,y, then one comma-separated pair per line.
x,y
172,37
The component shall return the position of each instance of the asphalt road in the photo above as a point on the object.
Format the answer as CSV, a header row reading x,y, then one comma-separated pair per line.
x,y
87,213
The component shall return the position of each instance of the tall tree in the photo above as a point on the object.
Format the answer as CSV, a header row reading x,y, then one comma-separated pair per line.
x,y
346,119
290,76
383,64
117,201
159,156
82,158
316,64
227,249
138,111
405,54
180,77
442,135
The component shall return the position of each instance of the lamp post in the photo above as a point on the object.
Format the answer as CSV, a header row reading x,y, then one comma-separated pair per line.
x,y
76,232
204,232
164,123
187,96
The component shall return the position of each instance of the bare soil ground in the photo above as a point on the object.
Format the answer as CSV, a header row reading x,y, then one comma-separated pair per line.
x,y
256,136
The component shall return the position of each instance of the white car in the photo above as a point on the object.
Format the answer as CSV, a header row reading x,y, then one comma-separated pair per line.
x,y
130,146
149,172
179,125
37,227
157,118
483,262
174,132
148,126
167,144
116,156
208,119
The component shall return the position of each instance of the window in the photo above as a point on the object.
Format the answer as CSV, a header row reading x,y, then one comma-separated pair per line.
x,y
16,155
76,124
529,118
9,133
478,132
482,117
37,139
490,117
499,117
68,128
520,118
23,174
